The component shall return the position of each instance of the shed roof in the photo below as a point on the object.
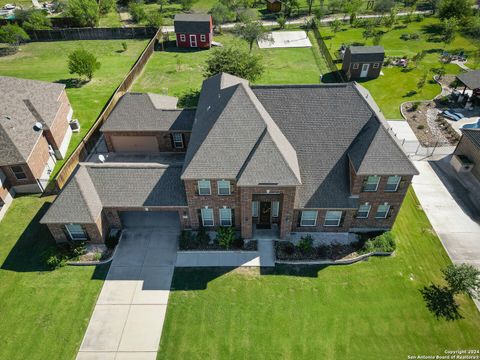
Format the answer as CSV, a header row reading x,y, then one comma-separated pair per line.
x,y
471,79
192,23
367,53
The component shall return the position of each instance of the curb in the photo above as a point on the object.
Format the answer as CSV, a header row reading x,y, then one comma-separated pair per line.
x,y
334,262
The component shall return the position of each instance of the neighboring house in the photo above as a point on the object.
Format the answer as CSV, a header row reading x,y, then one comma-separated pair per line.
x,y
466,157
193,30
363,62
274,5
34,133
290,158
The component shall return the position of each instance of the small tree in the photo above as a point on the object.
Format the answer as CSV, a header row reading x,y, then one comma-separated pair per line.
x,y
13,35
352,8
186,4
33,20
281,21
234,61
84,12
105,6
391,19
220,15
320,13
154,19
383,6
418,57
310,4
458,9
335,26
252,31
463,278
449,29
82,63
162,3
137,11
289,6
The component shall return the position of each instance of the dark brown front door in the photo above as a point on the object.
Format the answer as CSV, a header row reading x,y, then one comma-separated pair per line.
x,y
265,212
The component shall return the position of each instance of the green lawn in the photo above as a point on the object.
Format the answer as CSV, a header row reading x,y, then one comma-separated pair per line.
x,y
112,19
392,89
43,313
48,61
368,310
177,71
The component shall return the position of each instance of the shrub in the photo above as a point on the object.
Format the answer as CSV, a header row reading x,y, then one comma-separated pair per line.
x,y
137,11
289,248
53,258
306,243
78,249
186,239
124,46
13,35
202,237
323,251
112,239
380,243
226,236
420,127
238,243
415,105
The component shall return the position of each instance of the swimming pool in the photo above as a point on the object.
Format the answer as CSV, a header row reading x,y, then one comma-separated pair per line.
x,y
472,126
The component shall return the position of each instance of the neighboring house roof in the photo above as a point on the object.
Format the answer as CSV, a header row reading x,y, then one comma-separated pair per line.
x,y
231,133
95,186
23,103
192,23
148,112
471,79
473,135
367,53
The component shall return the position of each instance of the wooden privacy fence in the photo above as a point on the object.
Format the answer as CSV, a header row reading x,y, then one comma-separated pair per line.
x,y
93,135
326,53
92,33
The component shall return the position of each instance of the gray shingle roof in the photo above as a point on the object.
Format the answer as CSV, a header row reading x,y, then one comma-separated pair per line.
x,y
116,185
367,53
322,122
192,23
148,112
471,79
19,97
473,135
229,128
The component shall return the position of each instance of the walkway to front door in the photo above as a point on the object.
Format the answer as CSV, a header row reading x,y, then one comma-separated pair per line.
x,y
128,318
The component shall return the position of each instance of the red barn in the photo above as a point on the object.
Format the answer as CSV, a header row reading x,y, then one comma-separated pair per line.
x,y
193,30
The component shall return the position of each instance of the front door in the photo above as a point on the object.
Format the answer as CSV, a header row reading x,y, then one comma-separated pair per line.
x,y
364,72
193,40
265,214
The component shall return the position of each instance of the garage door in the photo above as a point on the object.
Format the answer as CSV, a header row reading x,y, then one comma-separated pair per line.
x,y
135,144
150,219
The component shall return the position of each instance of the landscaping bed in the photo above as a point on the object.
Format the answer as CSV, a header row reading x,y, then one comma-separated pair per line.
x,y
224,239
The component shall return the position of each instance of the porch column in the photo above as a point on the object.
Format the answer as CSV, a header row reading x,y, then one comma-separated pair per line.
x,y
246,213
288,203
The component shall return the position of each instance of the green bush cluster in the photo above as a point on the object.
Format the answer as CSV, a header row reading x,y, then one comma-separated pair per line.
x,y
381,243
57,256
305,244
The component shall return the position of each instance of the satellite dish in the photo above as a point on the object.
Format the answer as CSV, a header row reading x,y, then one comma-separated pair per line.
x,y
101,158
38,126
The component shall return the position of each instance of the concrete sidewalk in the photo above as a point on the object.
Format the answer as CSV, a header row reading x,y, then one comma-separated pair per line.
x,y
128,318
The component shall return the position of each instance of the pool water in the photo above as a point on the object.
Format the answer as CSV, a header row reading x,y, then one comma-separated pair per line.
x,y
472,126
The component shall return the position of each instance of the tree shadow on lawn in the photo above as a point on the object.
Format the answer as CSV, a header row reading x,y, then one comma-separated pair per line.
x,y
440,301
72,83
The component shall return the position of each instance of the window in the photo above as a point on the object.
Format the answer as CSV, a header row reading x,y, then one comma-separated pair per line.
x,y
355,65
309,218
18,172
203,37
332,218
177,140
275,208
371,183
76,232
182,37
254,208
363,211
204,187
382,211
207,217
392,183
223,187
376,65
225,217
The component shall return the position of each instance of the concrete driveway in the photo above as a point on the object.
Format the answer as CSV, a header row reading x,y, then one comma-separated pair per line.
x,y
128,318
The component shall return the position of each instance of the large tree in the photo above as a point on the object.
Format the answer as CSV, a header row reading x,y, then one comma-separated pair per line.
x,y
221,14
454,9
252,31
234,61
84,12
33,19
12,35
383,6
463,278
83,63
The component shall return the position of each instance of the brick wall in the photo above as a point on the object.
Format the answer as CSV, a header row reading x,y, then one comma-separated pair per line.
x,y
59,127
163,139
467,148
96,231
112,216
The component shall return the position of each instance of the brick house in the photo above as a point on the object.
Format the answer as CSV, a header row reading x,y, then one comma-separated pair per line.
x,y
193,30
34,134
296,158
363,62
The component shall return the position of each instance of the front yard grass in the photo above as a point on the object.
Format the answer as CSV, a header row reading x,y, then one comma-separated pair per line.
x,y
392,89
368,310
43,313
47,61
176,72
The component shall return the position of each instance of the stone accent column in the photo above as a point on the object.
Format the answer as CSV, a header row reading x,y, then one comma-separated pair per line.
x,y
246,213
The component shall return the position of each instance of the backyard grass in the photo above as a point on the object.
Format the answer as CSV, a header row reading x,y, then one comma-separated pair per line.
x,y
396,87
47,61
43,313
368,310
176,72
112,19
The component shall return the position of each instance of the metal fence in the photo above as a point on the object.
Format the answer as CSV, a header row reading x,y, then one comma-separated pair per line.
x,y
93,135
92,34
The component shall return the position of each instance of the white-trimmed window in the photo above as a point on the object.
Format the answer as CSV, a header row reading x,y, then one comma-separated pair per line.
x,y
333,218
376,65
182,37
203,37
356,65
255,206
177,140
76,232
371,183
275,208
309,218
392,183
18,172
363,211
223,187
204,187
225,217
207,217
382,211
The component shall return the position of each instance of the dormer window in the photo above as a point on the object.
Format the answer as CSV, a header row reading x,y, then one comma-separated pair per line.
x,y
177,140
223,187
